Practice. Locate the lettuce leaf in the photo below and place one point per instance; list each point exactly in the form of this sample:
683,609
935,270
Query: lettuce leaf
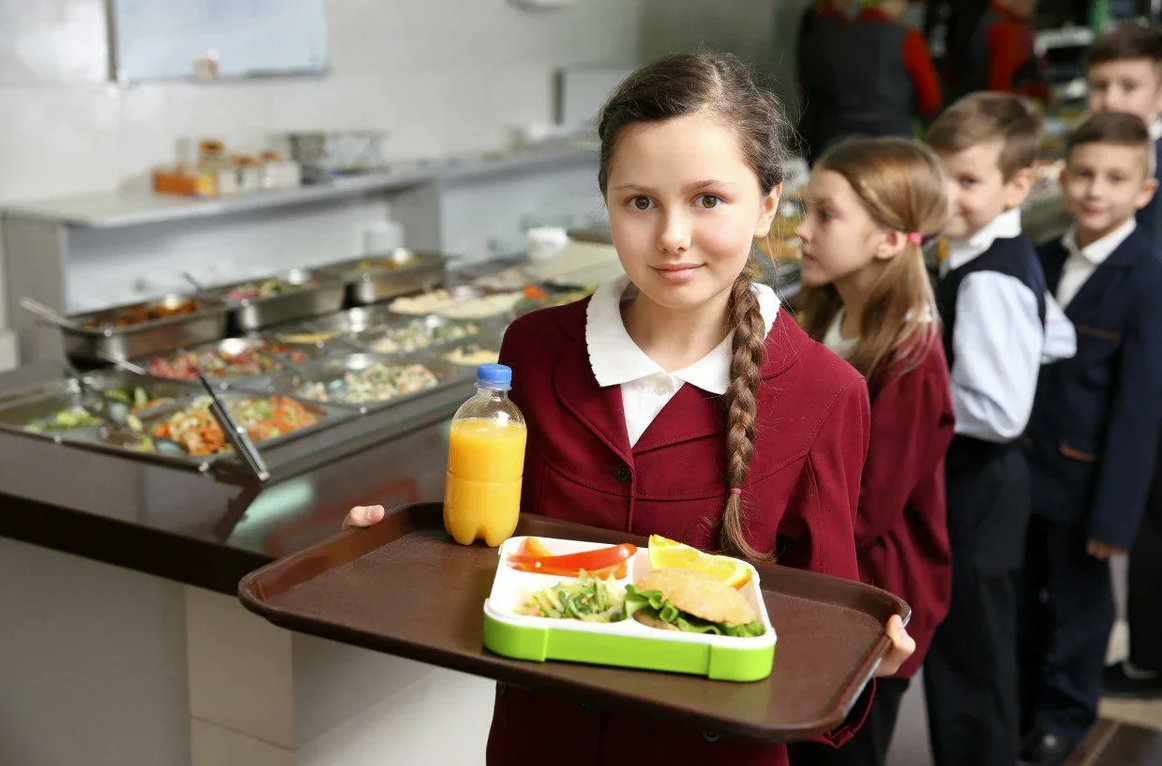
653,603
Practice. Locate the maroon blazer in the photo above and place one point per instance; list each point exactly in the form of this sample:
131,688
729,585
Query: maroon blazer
801,494
900,530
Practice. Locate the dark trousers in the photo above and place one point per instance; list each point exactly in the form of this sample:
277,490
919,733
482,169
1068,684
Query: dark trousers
970,673
869,746
1067,611
1144,597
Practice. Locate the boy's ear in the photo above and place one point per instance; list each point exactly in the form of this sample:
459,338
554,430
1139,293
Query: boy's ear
768,209
1149,188
1018,187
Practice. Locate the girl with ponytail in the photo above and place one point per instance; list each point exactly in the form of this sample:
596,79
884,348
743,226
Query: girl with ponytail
683,399
871,203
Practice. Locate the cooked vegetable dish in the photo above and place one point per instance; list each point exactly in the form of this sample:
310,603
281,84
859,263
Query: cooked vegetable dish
195,428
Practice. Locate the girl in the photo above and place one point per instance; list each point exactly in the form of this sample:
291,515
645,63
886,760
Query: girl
682,399
867,297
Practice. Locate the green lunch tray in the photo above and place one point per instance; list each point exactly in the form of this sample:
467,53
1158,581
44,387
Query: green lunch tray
628,643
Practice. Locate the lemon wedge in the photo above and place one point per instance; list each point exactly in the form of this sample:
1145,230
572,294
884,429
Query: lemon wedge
671,554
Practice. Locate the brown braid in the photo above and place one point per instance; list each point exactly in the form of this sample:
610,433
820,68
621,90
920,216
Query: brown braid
746,364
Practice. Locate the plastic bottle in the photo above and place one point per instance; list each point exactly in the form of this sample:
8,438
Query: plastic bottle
486,451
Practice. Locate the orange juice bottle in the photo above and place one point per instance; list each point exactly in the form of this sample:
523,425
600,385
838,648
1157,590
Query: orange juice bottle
486,454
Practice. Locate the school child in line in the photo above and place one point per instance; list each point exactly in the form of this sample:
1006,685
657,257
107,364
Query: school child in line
998,326
1093,436
816,92
1124,74
682,399
871,203
874,75
1000,54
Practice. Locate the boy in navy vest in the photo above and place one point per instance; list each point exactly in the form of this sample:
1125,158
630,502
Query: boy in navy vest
1125,75
999,325
1092,439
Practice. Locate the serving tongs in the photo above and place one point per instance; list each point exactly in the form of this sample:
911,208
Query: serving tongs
42,311
235,433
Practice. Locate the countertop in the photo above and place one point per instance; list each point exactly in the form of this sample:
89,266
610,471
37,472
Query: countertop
203,529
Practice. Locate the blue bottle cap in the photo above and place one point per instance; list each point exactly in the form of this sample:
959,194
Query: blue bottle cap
494,375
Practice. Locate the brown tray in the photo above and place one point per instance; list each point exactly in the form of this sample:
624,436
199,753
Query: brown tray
404,588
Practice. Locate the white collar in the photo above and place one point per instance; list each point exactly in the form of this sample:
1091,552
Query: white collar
1097,252
1156,128
1004,226
616,359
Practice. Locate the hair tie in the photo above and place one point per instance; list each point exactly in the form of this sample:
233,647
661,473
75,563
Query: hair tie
915,238
736,490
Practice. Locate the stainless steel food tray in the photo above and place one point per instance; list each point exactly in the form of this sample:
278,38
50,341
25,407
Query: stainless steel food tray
327,415
20,407
84,345
229,346
399,324
375,278
321,294
350,322
330,371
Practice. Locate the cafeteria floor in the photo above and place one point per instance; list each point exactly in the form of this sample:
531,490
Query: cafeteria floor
1129,734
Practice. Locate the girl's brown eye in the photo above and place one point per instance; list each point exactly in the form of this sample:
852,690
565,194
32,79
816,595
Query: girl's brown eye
641,203
709,201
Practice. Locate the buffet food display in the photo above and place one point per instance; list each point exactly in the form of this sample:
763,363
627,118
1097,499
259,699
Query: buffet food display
281,380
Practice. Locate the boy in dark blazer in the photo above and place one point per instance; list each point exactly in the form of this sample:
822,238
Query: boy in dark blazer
1092,438
1124,74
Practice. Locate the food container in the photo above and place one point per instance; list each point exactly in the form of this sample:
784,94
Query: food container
324,417
627,643
35,410
376,278
232,359
329,378
406,335
140,329
297,294
343,324
338,150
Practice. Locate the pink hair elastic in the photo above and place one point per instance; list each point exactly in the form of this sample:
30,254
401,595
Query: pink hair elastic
915,238
735,491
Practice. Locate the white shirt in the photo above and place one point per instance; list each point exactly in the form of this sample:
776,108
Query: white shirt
834,339
1156,129
1082,262
998,341
645,387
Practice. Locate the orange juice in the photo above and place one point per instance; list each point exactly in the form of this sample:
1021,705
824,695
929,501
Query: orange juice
486,454
482,493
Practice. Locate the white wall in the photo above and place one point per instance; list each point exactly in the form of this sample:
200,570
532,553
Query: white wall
440,75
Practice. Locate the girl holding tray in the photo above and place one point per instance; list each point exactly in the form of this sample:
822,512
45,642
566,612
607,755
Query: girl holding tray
682,399
870,205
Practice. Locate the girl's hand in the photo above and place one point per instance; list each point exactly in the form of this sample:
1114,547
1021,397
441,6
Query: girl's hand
363,516
903,647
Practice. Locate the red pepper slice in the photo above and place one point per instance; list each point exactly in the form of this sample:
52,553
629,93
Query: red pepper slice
572,564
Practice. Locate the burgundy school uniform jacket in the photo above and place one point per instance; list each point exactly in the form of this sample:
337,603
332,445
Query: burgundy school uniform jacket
801,494
900,531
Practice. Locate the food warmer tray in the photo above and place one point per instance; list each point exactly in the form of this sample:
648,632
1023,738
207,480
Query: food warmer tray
321,294
375,278
229,346
85,345
402,587
488,330
332,369
19,408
